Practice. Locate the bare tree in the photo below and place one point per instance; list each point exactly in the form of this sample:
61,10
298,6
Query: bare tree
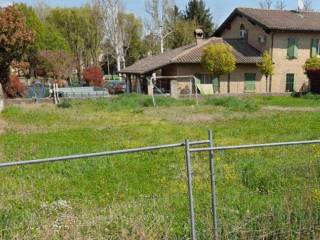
266,4
41,9
111,10
280,5
159,20
307,5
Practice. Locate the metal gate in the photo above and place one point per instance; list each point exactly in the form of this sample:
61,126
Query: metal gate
257,191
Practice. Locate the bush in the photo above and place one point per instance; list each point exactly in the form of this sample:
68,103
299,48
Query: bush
14,88
93,76
312,64
312,68
218,59
64,104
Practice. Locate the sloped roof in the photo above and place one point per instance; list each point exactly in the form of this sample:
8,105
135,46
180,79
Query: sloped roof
192,53
277,19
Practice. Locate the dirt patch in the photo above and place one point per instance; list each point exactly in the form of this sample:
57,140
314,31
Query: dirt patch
3,126
291,109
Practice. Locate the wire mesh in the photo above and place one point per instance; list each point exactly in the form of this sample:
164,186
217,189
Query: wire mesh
137,196
264,193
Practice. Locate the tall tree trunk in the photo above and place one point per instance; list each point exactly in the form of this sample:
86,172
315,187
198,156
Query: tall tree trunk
118,63
79,69
4,76
228,83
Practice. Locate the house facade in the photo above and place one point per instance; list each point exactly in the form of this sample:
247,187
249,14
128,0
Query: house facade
290,37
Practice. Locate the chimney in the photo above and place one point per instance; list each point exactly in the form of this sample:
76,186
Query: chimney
199,36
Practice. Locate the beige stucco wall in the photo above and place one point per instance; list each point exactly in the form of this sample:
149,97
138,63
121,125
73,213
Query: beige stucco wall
283,65
254,32
277,45
236,77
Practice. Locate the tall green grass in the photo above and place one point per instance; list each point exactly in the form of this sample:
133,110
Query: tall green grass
267,194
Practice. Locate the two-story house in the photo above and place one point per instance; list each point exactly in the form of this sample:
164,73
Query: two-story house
291,37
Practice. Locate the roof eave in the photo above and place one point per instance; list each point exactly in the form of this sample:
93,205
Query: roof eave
238,12
144,72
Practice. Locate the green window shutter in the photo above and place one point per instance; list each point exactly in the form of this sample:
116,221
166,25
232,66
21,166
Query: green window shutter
296,48
291,43
249,82
314,47
290,82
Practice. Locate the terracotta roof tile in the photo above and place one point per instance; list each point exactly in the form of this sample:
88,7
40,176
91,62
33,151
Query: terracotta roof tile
243,52
277,19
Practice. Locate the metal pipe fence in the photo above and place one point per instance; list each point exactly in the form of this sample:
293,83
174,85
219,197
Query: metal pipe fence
100,154
139,192
257,191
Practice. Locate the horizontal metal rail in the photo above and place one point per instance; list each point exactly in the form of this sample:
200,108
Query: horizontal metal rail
250,146
99,154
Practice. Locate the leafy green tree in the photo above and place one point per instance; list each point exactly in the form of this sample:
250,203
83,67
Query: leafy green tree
183,33
266,67
82,28
196,10
218,59
46,37
15,38
94,34
72,26
133,45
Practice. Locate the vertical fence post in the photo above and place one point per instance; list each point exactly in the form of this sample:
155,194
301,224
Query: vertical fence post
213,189
190,191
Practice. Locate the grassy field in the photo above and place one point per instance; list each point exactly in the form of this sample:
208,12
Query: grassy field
262,194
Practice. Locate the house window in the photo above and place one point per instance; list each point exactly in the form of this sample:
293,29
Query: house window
249,82
315,49
243,32
209,79
290,82
262,40
293,47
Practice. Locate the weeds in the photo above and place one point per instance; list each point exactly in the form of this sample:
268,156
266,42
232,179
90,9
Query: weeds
64,104
261,195
233,103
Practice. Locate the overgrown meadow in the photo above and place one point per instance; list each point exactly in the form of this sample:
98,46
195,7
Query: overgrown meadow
262,194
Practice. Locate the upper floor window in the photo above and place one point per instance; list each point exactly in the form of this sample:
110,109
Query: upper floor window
315,48
293,48
243,32
262,40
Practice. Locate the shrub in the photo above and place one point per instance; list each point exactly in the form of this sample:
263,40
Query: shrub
312,64
93,76
64,104
14,88
218,59
312,68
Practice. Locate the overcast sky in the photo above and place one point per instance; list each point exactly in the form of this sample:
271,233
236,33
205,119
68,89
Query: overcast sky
219,8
